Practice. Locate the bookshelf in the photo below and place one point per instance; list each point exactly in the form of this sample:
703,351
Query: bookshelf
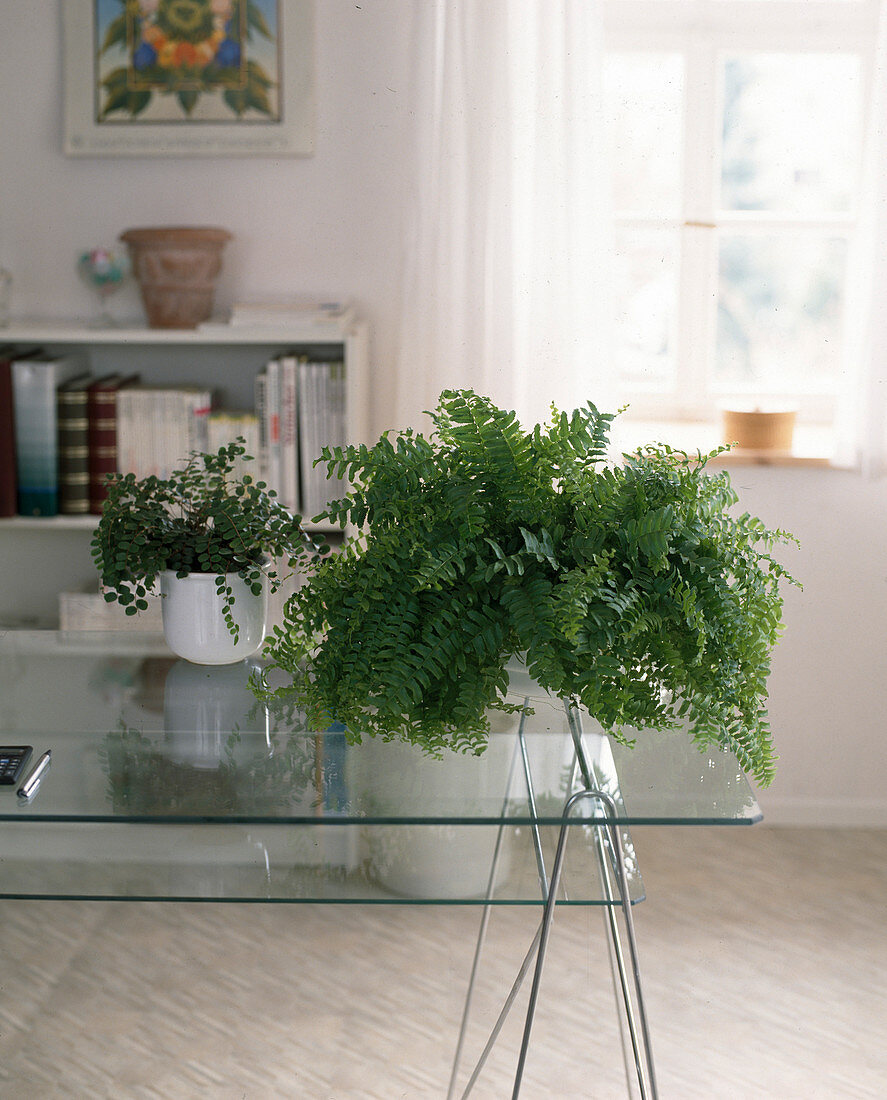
223,357
49,555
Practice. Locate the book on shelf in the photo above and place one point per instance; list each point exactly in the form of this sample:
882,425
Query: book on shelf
293,312
225,427
271,412
35,383
158,427
321,424
260,394
309,437
102,415
73,446
289,432
300,405
8,485
276,394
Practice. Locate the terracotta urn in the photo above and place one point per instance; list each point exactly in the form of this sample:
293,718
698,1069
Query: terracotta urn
176,268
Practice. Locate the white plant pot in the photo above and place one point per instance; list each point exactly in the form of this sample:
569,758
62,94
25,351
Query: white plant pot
195,627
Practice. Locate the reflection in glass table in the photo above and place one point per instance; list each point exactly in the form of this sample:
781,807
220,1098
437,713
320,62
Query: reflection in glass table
171,781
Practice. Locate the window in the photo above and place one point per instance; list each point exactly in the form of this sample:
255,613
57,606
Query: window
736,134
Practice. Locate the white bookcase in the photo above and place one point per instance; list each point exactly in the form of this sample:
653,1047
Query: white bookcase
41,557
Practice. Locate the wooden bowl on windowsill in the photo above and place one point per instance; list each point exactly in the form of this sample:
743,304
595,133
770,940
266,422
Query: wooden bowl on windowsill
758,429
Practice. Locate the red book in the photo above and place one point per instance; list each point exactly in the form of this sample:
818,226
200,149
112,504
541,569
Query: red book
102,416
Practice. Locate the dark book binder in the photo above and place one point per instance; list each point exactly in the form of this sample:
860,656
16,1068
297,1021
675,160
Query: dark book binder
8,482
101,400
73,447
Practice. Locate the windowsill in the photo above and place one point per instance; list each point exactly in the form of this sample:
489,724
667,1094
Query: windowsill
814,444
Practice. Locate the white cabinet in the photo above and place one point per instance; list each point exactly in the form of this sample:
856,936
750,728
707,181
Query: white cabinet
40,557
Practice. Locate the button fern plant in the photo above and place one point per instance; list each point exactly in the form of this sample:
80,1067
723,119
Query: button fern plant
200,519
630,589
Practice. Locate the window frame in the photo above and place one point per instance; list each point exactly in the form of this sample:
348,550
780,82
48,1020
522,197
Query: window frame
702,32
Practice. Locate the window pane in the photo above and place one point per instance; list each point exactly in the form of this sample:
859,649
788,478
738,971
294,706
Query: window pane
790,132
642,106
645,298
779,312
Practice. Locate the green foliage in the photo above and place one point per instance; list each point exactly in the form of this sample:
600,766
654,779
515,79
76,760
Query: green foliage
145,778
199,520
629,589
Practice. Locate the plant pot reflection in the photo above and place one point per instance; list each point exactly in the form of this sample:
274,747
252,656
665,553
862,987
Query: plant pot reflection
434,860
211,715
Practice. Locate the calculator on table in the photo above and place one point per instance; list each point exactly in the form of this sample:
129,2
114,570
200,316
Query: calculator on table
13,760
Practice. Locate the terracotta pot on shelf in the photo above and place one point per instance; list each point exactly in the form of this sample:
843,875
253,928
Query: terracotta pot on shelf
176,268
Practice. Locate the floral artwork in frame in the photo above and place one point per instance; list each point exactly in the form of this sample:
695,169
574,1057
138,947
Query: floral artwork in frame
188,77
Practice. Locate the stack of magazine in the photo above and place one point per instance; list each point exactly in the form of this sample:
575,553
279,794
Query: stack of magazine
300,405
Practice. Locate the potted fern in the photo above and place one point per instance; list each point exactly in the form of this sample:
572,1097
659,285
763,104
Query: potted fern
214,543
632,589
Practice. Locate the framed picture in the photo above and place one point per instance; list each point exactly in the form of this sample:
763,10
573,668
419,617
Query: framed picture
188,77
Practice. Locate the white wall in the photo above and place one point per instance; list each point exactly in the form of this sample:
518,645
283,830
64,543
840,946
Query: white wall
828,703
331,223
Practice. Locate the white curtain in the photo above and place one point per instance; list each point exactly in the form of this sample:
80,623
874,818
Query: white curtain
505,271
862,415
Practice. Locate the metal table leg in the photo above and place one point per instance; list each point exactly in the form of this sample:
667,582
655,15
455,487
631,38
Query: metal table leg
611,866
607,867
482,935
638,1030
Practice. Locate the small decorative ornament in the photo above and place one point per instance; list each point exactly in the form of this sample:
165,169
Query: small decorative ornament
104,270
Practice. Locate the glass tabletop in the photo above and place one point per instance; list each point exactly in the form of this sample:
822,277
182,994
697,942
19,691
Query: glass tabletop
173,780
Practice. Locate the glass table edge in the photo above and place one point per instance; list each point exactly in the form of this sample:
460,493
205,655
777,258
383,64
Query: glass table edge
546,821
199,899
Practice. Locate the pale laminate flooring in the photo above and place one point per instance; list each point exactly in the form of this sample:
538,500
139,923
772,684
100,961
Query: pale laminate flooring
763,951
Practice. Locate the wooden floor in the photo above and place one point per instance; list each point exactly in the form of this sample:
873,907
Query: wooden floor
763,951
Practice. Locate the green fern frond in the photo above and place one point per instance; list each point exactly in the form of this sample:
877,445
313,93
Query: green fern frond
631,588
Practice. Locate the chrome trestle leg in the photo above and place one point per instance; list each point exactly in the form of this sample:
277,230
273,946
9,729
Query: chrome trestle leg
506,1008
531,952
639,1034
616,959
481,939
607,867
611,863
